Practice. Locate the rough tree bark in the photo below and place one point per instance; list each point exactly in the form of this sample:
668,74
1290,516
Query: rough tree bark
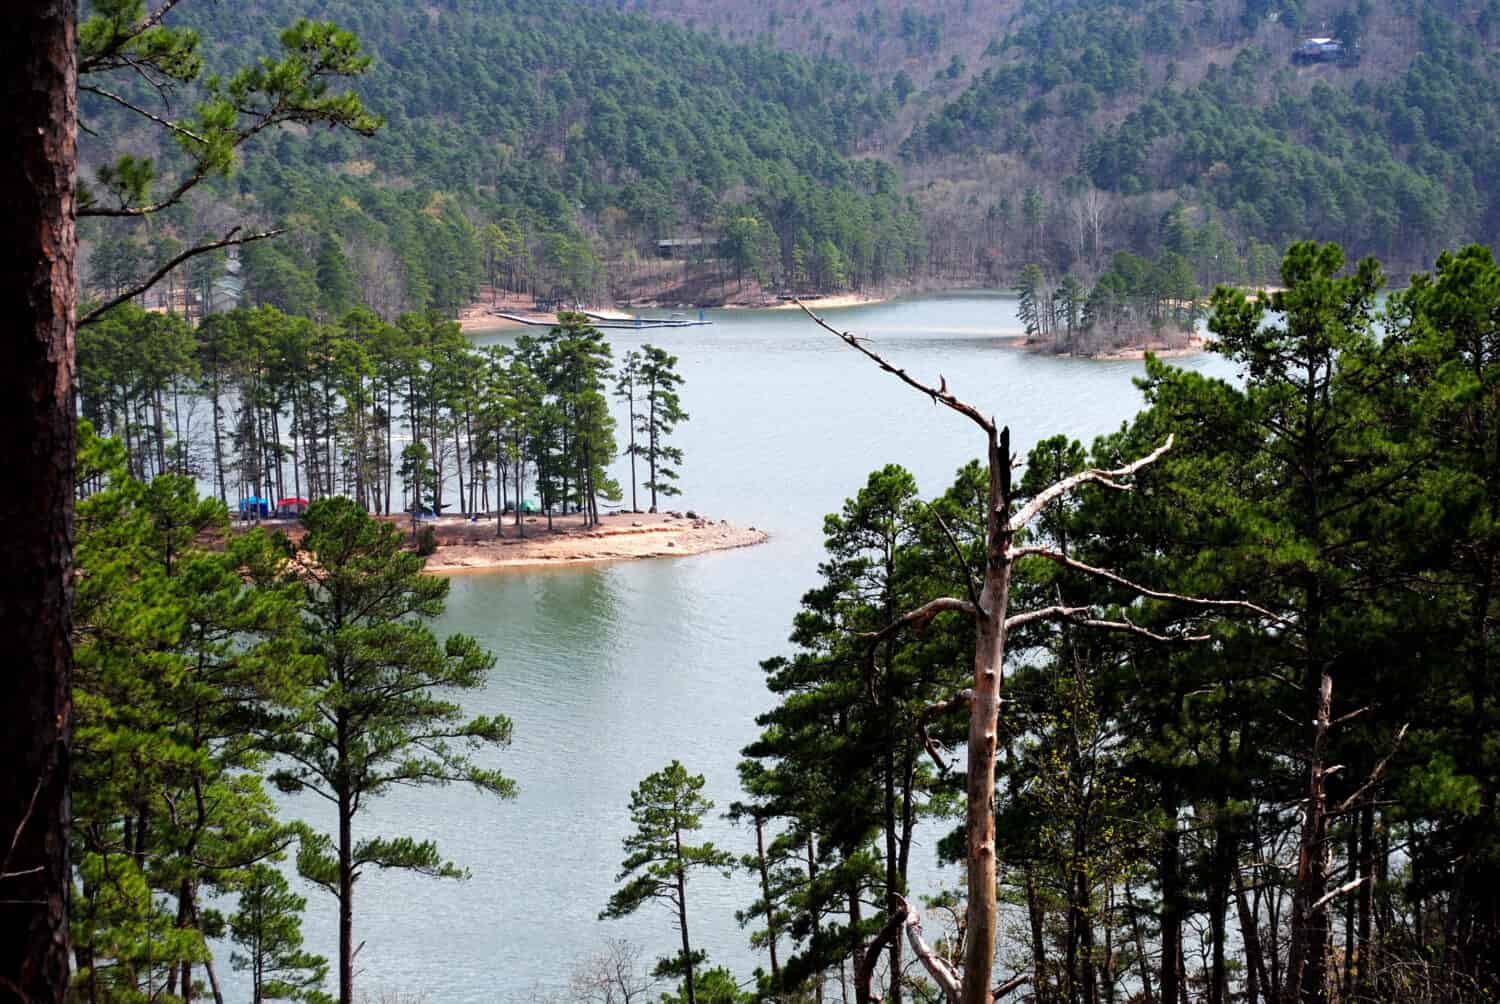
38,121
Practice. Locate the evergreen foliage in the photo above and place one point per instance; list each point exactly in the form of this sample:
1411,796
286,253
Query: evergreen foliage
1169,816
666,807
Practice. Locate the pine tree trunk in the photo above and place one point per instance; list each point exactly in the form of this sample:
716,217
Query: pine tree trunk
812,878
1255,962
1171,894
1040,986
37,175
346,900
634,506
682,920
765,894
651,444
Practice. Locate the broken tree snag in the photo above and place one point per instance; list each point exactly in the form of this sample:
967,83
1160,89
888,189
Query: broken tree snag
942,974
988,610
1307,957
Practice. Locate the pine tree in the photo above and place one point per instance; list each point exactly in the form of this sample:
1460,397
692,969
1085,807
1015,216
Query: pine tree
268,928
374,719
666,807
663,411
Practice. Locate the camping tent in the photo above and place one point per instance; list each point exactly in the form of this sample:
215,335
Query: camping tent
255,508
291,507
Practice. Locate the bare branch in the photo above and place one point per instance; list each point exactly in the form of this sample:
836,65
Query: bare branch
1341,719
942,974
1130,627
1093,475
1375,774
1347,887
939,394
1044,613
1076,615
1010,986
922,616
934,748
164,123
1058,558
230,240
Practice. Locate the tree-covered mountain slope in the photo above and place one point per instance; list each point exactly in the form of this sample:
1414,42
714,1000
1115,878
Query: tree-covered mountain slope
668,149
925,51
554,145
1390,149
1066,124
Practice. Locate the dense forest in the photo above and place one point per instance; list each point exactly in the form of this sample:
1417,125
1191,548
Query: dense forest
548,150
1387,150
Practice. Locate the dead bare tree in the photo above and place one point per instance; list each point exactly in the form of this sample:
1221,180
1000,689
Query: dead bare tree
992,620
614,976
1307,965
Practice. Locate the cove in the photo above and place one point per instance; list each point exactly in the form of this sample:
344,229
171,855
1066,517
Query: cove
611,671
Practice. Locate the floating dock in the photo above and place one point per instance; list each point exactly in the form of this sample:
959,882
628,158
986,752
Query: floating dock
604,322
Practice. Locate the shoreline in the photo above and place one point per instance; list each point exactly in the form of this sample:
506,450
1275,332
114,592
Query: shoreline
1128,353
464,546
837,302
479,320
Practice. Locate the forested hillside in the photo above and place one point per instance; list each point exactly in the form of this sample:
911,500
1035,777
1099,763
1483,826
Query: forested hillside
1060,132
1140,107
550,147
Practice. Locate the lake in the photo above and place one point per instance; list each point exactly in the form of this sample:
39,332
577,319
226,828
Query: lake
609,672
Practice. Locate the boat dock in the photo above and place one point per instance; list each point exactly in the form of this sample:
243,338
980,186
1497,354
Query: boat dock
604,321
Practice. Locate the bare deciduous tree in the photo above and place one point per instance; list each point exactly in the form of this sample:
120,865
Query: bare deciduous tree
614,976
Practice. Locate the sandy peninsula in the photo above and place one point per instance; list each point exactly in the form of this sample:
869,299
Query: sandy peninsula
470,547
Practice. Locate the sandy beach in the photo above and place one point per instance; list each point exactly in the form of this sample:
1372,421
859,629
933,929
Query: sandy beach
486,322
471,547
1195,344
1192,348
830,302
